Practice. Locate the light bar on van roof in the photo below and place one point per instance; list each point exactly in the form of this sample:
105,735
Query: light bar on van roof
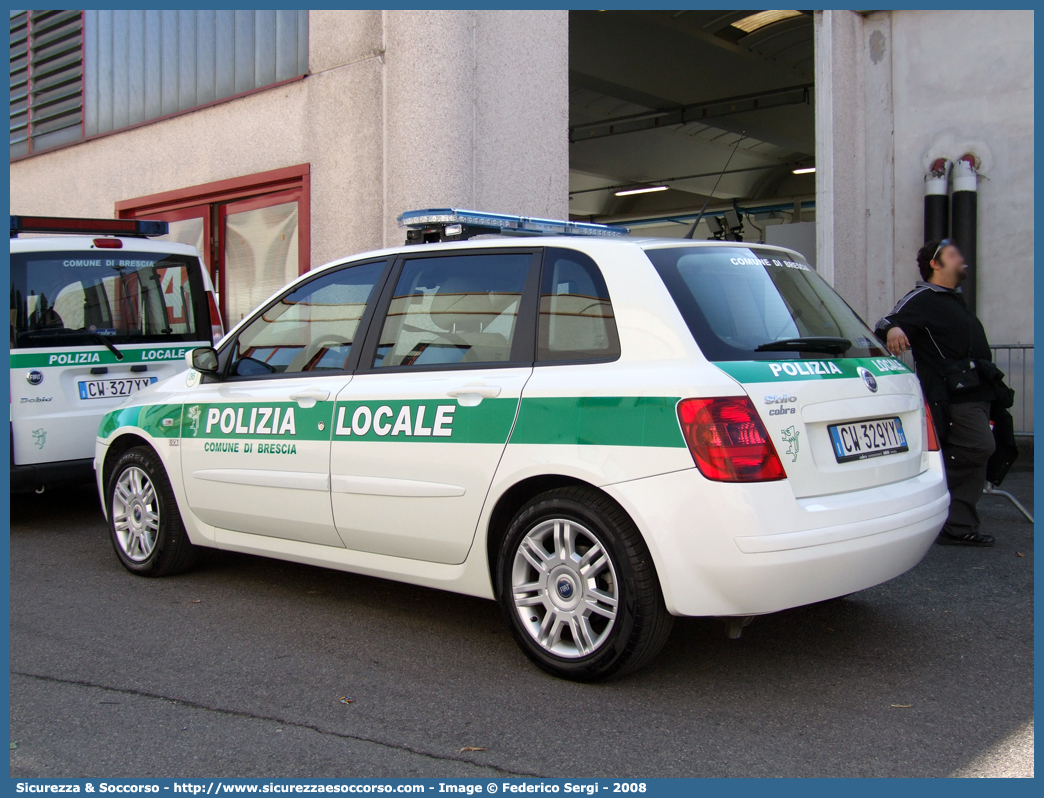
133,228
454,224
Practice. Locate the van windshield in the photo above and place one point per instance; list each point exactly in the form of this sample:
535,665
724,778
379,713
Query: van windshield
72,298
746,303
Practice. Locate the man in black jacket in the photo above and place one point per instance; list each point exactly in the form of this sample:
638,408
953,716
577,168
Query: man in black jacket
947,340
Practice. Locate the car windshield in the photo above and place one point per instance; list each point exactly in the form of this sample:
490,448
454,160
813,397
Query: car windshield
80,298
746,303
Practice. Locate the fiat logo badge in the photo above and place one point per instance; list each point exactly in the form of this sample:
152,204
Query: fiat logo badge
868,378
34,377
565,588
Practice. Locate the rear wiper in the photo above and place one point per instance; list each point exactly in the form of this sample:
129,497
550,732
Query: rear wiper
831,345
101,339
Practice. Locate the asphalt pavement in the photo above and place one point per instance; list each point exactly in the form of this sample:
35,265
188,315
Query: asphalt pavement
254,667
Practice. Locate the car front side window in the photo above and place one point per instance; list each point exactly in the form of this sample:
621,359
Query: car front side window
310,330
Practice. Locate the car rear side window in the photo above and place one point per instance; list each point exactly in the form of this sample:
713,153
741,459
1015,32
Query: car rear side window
448,310
576,315
736,300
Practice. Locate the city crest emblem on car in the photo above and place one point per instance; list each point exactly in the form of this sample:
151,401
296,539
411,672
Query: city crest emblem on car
193,414
790,437
868,378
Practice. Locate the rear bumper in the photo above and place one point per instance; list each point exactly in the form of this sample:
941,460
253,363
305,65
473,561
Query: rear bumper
25,478
749,549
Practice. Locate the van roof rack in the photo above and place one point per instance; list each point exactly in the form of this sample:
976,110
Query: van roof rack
132,228
454,224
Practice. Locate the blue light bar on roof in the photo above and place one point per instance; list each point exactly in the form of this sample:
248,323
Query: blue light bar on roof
134,228
502,223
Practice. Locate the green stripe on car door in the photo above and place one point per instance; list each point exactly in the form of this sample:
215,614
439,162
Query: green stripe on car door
425,420
574,420
599,421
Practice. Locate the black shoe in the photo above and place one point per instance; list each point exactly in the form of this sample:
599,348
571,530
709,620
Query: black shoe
971,539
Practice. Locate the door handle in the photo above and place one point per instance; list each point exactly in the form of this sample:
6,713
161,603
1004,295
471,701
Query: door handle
471,395
307,399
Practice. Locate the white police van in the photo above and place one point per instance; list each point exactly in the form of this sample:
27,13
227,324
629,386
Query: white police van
600,432
98,312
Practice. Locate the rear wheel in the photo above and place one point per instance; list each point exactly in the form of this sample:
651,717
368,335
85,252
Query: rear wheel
144,523
578,586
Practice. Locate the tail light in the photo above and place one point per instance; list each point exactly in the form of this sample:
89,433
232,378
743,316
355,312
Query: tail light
108,243
727,440
217,329
932,444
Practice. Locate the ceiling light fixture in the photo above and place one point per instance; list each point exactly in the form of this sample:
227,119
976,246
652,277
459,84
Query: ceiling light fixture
805,170
763,19
645,190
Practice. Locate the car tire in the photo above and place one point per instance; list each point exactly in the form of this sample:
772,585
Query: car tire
145,525
568,555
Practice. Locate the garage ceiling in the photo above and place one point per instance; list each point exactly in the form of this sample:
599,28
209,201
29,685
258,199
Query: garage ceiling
663,98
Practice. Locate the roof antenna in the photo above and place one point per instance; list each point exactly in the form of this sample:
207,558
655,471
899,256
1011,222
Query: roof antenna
692,230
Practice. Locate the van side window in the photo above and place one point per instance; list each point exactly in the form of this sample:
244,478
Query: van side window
576,315
311,329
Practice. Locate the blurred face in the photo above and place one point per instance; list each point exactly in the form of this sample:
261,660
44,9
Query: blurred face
949,266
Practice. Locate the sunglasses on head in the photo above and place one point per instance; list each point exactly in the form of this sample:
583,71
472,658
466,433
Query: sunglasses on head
946,242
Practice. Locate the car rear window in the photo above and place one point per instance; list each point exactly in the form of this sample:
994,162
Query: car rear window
127,297
735,299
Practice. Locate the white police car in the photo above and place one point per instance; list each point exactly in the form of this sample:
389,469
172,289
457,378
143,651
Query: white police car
98,312
600,432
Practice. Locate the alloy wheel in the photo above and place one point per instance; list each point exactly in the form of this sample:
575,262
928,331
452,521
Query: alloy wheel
565,588
135,514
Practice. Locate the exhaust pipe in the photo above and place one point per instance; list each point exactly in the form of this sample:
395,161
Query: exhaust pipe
936,201
964,212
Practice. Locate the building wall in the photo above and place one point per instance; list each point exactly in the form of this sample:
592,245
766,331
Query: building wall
964,81
402,109
895,90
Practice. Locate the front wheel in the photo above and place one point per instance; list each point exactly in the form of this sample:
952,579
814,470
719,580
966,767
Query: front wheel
577,584
144,523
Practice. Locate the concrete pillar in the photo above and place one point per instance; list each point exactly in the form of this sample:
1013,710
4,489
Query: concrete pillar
855,158
476,112
840,176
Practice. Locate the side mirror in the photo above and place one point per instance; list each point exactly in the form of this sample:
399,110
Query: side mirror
203,359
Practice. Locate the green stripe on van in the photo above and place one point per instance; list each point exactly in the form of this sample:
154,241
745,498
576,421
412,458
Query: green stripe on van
82,356
826,369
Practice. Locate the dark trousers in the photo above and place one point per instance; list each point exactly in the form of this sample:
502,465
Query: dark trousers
968,446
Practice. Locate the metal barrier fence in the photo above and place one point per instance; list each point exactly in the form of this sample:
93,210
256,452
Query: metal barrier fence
1016,361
